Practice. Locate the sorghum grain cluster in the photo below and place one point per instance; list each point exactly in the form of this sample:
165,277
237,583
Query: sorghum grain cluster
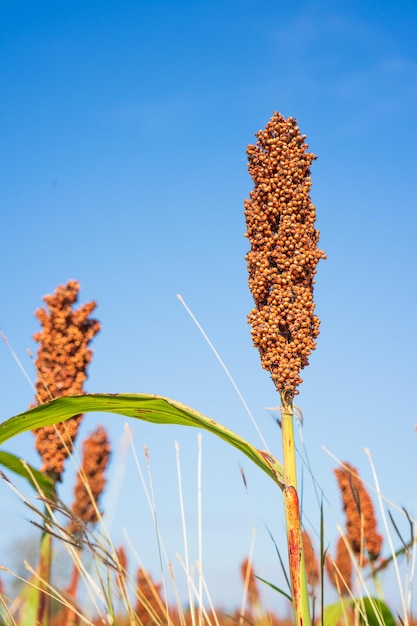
361,525
312,565
282,261
62,360
91,478
339,570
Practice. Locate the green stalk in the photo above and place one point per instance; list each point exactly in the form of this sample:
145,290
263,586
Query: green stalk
45,563
293,521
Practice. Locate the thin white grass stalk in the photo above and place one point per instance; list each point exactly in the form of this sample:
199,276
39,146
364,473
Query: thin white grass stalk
133,588
340,578
54,593
40,377
155,520
3,603
200,526
74,552
305,459
89,582
223,365
186,569
389,538
152,507
135,554
246,582
412,573
210,602
121,584
19,364
139,469
176,594
116,482
184,531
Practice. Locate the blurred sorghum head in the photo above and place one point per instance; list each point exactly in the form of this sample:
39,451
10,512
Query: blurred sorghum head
91,478
311,562
150,608
339,570
361,526
62,359
282,261
249,579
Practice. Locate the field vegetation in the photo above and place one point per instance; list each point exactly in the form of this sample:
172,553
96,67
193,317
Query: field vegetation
282,263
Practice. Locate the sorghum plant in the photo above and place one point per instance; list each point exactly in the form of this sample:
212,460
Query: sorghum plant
62,360
150,607
280,219
91,478
339,569
312,565
283,257
88,489
361,525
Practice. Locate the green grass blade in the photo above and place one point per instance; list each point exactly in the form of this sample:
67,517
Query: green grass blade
37,480
150,408
275,588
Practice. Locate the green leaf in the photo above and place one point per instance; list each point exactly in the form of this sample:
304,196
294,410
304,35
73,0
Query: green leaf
335,613
275,588
36,479
150,408
377,613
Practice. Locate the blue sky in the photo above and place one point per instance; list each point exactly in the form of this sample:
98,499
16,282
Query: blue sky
124,128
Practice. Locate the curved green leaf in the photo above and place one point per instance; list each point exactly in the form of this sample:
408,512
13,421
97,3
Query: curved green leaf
39,481
377,613
334,614
275,588
150,408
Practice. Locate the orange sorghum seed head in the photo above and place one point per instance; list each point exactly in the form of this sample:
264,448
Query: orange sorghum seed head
122,558
361,527
248,577
339,571
91,478
312,566
283,257
149,605
62,360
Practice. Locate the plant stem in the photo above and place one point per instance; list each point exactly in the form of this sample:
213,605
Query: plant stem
293,522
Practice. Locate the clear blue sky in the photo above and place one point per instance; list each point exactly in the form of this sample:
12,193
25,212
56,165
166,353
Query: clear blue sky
123,132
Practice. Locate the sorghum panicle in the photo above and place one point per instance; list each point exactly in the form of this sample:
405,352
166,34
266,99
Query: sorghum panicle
282,261
91,478
149,605
361,526
339,571
62,360
248,577
312,566
122,558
